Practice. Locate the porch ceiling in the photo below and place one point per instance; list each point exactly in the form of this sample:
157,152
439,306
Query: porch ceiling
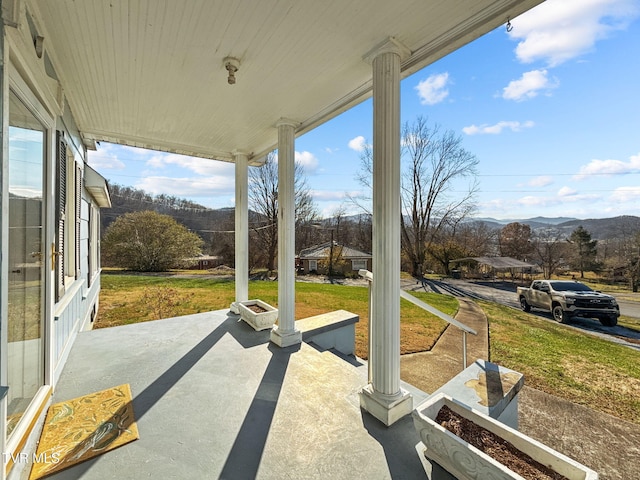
150,73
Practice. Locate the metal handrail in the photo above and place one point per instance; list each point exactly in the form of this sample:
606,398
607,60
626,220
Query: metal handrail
367,275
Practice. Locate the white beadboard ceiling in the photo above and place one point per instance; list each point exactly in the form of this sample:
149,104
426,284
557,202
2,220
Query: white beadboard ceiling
150,73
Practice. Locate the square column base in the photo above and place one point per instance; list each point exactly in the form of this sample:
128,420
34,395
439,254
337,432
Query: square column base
234,308
285,339
385,410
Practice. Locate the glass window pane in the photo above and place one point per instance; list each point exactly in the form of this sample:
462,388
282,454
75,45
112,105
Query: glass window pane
25,357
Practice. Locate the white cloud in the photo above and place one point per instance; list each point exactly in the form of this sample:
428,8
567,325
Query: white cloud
559,30
333,195
541,181
193,187
529,85
567,192
308,161
626,194
103,159
201,166
564,196
533,201
497,128
358,143
433,89
609,167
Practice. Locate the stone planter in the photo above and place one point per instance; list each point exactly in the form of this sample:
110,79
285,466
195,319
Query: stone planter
466,462
258,320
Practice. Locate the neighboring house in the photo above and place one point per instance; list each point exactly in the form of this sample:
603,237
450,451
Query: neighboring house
486,267
344,259
203,262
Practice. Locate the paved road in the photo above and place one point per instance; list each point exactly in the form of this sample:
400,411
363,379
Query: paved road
630,309
504,293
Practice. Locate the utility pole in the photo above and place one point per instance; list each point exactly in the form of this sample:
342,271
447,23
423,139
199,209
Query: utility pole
331,256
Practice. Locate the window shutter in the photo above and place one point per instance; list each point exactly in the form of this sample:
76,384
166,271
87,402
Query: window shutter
61,204
78,220
90,241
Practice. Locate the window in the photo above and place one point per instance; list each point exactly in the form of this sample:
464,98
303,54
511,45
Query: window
24,345
359,264
313,265
94,257
68,206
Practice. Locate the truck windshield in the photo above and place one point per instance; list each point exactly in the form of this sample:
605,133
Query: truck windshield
570,287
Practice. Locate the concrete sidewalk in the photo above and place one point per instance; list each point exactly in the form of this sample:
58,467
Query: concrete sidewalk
430,370
602,442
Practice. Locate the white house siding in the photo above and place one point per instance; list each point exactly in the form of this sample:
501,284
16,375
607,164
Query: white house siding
32,81
75,310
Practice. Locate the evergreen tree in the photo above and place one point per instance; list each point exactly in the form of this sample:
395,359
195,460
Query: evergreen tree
585,251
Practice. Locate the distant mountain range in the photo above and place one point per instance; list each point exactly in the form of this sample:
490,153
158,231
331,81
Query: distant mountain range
530,221
599,228
207,221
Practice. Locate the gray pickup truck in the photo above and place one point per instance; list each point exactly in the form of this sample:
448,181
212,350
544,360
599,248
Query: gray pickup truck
566,299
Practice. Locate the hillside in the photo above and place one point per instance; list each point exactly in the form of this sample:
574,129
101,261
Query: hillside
207,222
600,228
195,217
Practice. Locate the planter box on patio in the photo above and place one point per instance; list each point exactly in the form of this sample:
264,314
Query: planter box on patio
259,320
466,462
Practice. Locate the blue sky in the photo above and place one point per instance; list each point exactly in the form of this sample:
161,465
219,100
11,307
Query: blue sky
551,110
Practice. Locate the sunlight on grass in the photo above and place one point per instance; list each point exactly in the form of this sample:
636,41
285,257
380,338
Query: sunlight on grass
561,361
125,299
629,322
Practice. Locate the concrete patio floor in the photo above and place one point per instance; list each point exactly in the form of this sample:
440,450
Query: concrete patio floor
214,399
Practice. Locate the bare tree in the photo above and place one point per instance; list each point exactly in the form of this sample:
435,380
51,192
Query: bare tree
478,239
515,241
550,248
433,161
263,199
445,247
633,269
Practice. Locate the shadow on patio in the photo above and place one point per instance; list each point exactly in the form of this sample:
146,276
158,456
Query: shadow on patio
214,399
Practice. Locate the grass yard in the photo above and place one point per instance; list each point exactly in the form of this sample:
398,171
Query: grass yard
555,359
569,364
128,299
629,322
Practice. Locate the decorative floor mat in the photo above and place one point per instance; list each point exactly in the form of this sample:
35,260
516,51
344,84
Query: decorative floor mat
84,427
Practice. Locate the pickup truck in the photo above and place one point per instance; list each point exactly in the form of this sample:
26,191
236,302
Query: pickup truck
566,299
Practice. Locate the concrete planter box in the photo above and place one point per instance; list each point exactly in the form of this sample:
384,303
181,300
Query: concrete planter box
466,462
259,321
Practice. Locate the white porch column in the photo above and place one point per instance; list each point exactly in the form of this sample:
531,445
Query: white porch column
241,229
285,333
383,397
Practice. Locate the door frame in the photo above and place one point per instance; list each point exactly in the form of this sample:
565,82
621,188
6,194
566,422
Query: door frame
13,81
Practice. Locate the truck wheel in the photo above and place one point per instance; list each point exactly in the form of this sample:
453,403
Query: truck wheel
524,305
560,315
611,321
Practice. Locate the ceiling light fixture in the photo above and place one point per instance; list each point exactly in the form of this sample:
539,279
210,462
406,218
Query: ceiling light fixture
231,64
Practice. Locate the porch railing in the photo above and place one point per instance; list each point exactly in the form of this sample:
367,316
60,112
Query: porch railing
367,275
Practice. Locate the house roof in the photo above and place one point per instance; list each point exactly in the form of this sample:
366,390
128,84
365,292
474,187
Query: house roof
322,251
496,262
96,185
151,73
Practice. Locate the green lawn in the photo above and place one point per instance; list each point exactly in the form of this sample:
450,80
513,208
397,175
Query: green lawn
629,322
128,299
554,358
559,360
